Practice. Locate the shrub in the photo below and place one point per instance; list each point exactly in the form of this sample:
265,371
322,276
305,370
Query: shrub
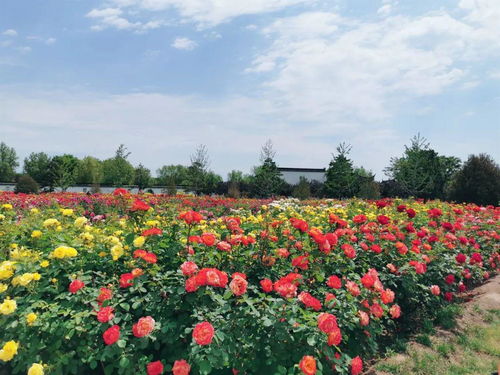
26,184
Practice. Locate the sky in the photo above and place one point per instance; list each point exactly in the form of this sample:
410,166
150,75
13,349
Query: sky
163,76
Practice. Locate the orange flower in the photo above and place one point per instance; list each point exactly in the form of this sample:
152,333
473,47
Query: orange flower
308,365
203,333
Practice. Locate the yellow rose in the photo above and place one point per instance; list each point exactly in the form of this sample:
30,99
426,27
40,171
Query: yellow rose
8,306
80,221
7,206
67,212
37,276
31,318
36,234
35,369
50,223
3,287
44,263
139,241
8,351
117,251
34,210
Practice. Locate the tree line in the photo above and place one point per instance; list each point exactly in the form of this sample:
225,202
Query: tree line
420,173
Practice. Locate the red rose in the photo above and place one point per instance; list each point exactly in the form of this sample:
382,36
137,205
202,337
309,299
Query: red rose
376,310
327,322
334,282
353,288
334,337
191,217
152,232
267,285
111,335
155,368
356,366
139,253
382,219
448,296
411,213
238,286
450,279
104,295
191,284
368,280
308,365
75,286
105,314
395,311
143,327
139,205
203,333
126,280
150,258
435,290
120,191
189,268
301,262
208,239
181,367
359,219
364,318
387,296
308,300
349,251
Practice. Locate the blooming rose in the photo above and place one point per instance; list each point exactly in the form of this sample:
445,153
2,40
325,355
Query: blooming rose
334,337
139,205
105,314
364,318
327,322
126,280
334,282
189,268
395,311
181,367
368,280
104,295
208,239
308,300
356,366
203,333
111,335
143,327
308,365
353,288
435,290
387,296
238,286
75,286
155,368
267,285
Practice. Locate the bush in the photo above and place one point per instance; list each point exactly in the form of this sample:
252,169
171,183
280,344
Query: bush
478,181
26,184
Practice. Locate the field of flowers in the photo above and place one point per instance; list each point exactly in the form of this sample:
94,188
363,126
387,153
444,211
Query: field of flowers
126,284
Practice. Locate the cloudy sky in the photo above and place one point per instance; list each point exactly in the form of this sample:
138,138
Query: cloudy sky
162,76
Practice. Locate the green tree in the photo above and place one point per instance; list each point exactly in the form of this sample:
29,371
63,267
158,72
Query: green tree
341,179
26,184
198,169
421,172
37,166
478,181
62,171
117,170
8,163
366,186
303,189
172,175
89,171
267,180
142,177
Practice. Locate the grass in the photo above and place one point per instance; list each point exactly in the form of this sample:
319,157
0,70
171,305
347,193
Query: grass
475,350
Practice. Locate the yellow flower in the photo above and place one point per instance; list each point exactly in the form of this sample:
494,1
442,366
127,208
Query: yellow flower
67,212
3,287
36,234
44,263
54,280
139,241
37,276
102,254
6,269
7,206
51,223
80,221
64,252
2,217
34,210
117,251
35,369
8,351
30,318
8,306
22,280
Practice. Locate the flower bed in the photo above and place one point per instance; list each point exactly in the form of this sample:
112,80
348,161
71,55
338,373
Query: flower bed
156,284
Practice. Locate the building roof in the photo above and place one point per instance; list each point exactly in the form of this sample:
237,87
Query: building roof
318,170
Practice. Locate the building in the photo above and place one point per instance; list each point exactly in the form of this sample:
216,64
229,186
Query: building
292,175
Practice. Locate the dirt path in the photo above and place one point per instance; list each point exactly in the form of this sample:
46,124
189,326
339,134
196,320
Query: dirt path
471,347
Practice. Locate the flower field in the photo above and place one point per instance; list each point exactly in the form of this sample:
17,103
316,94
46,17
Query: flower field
151,284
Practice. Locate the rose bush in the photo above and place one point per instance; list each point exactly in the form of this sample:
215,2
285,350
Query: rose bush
127,284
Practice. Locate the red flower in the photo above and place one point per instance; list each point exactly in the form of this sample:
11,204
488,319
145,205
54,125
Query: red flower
434,212
353,288
238,286
359,219
334,282
411,213
376,310
191,217
126,280
203,333
224,246
104,295
301,262
308,300
299,224
349,251
267,285
152,232
327,322
139,205
155,368
75,286
368,280
150,258
461,258
448,296
356,366
382,219
189,268
111,335
143,327
105,314
450,279
308,365
208,239
395,311
120,191
387,296
364,318
285,288
334,337
139,253
181,367
435,290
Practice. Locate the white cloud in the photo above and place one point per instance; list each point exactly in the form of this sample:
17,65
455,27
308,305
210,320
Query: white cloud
112,17
50,41
24,49
10,32
184,44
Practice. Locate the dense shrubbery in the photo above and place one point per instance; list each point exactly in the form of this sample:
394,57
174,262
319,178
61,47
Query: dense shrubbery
132,285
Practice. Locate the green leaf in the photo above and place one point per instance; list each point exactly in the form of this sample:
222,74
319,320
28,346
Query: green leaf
121,343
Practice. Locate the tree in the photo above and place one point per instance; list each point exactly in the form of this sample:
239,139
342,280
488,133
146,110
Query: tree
37,166
142,177
8,163
172,175
366,187
421,172
25,184
62,171
478,181
198,169
302,190
340,176
89,171
267,180
117,170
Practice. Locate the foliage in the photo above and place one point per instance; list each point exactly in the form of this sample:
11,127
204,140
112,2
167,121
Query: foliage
266,180
25,184
172,175
142,177
117,170
89,171
341,179
303,189
62,171
421,172
37,165
477,181
8,163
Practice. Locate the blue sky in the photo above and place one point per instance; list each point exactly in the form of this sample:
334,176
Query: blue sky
162,76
